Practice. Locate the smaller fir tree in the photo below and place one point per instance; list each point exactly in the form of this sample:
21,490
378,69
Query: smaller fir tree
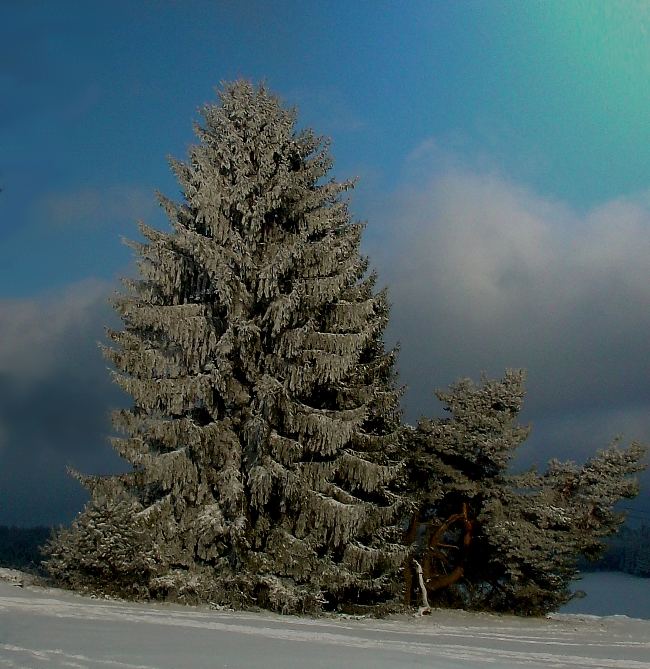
490,539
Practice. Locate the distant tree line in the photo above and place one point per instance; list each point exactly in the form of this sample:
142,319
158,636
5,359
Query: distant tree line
628,551
20,547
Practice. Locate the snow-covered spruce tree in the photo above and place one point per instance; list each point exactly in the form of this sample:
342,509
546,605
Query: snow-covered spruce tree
264,433
490,539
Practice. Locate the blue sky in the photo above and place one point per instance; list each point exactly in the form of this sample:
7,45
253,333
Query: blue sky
502,150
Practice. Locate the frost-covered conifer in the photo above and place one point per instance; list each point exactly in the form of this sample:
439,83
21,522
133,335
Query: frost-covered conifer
263,434
490,539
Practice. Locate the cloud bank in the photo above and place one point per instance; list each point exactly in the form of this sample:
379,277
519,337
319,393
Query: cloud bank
485,274
56,394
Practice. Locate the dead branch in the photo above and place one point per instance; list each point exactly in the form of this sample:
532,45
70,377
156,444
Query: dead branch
425,609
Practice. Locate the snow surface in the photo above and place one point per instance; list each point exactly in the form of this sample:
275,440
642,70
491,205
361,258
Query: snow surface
41,627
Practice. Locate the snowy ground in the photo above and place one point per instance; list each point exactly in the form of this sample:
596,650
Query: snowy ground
47,628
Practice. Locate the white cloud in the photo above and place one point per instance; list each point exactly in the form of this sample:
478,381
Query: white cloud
484,274
37,335
56,394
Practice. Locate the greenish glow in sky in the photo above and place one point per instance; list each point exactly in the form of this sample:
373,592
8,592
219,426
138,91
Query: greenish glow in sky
593,71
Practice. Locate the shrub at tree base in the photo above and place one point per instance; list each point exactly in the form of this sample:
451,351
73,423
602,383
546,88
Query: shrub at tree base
108,548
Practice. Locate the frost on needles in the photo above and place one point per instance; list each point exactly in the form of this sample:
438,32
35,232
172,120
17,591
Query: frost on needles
264,431
269,465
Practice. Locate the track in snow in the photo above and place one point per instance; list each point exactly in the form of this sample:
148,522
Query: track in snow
52,628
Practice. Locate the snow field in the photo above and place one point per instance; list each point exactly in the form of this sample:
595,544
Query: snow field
51,628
